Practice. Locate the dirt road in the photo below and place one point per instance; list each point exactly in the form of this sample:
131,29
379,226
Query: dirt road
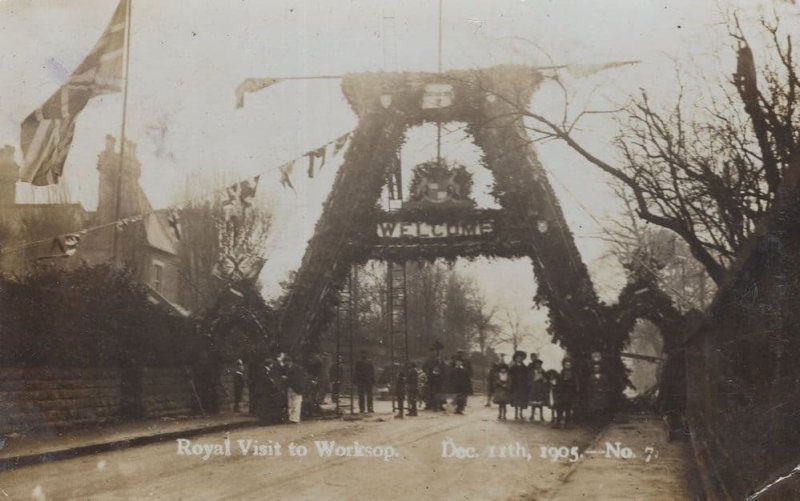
505,463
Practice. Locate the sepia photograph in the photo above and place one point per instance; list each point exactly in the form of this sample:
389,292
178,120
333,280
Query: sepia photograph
400,250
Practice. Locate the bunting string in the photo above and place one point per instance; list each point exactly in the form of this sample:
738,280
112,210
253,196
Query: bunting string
237,196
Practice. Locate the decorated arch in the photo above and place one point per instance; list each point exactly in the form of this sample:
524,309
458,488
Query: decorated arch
529,223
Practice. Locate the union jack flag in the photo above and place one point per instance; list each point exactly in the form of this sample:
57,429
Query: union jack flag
46,135
236,267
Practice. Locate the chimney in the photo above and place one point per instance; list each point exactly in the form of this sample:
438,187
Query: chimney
108,164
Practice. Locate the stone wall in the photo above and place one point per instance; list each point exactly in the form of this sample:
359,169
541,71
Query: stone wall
36,398
167,391
41,399
225,391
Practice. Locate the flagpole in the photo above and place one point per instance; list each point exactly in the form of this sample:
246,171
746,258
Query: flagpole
118,187
439,68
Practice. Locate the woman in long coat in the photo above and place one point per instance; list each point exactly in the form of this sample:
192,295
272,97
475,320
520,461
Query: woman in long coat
269,405
519,384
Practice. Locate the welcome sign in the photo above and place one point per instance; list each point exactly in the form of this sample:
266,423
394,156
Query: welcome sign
426,230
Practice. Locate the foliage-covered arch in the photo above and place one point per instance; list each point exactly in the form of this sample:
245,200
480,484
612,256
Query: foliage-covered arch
387,105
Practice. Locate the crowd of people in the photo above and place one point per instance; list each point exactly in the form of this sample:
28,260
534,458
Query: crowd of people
522,385
282,390
430,385
440,379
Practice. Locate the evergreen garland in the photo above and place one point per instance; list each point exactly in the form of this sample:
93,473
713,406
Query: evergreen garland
531,222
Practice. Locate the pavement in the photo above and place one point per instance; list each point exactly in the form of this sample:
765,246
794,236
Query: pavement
42,447
434,456
654,469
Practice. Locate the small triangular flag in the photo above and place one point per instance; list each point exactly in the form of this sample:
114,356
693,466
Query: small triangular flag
314,154
253,85
174,221
339,143
67,244
320,153
286,175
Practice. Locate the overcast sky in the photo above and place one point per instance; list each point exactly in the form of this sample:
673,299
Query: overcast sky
188,56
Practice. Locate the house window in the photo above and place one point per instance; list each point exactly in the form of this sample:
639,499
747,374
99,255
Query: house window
158,275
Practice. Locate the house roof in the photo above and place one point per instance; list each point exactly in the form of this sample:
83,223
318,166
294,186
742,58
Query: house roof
159,235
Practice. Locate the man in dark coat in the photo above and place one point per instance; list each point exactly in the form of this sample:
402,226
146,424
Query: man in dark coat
364,376
460,356
461,385
434,368
400,391
269,406
672,395
412,383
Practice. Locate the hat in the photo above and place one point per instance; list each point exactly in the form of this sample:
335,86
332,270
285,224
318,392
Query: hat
519,354
537,362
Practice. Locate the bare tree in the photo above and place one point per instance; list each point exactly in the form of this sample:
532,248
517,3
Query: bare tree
711,176
486,329
205,235
644,249
442,305
514,332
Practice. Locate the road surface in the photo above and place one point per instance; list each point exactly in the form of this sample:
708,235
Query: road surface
191,469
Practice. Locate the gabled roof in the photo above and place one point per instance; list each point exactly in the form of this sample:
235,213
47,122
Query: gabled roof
159,235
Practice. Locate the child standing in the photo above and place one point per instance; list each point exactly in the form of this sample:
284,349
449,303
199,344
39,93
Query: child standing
540,390
501,385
